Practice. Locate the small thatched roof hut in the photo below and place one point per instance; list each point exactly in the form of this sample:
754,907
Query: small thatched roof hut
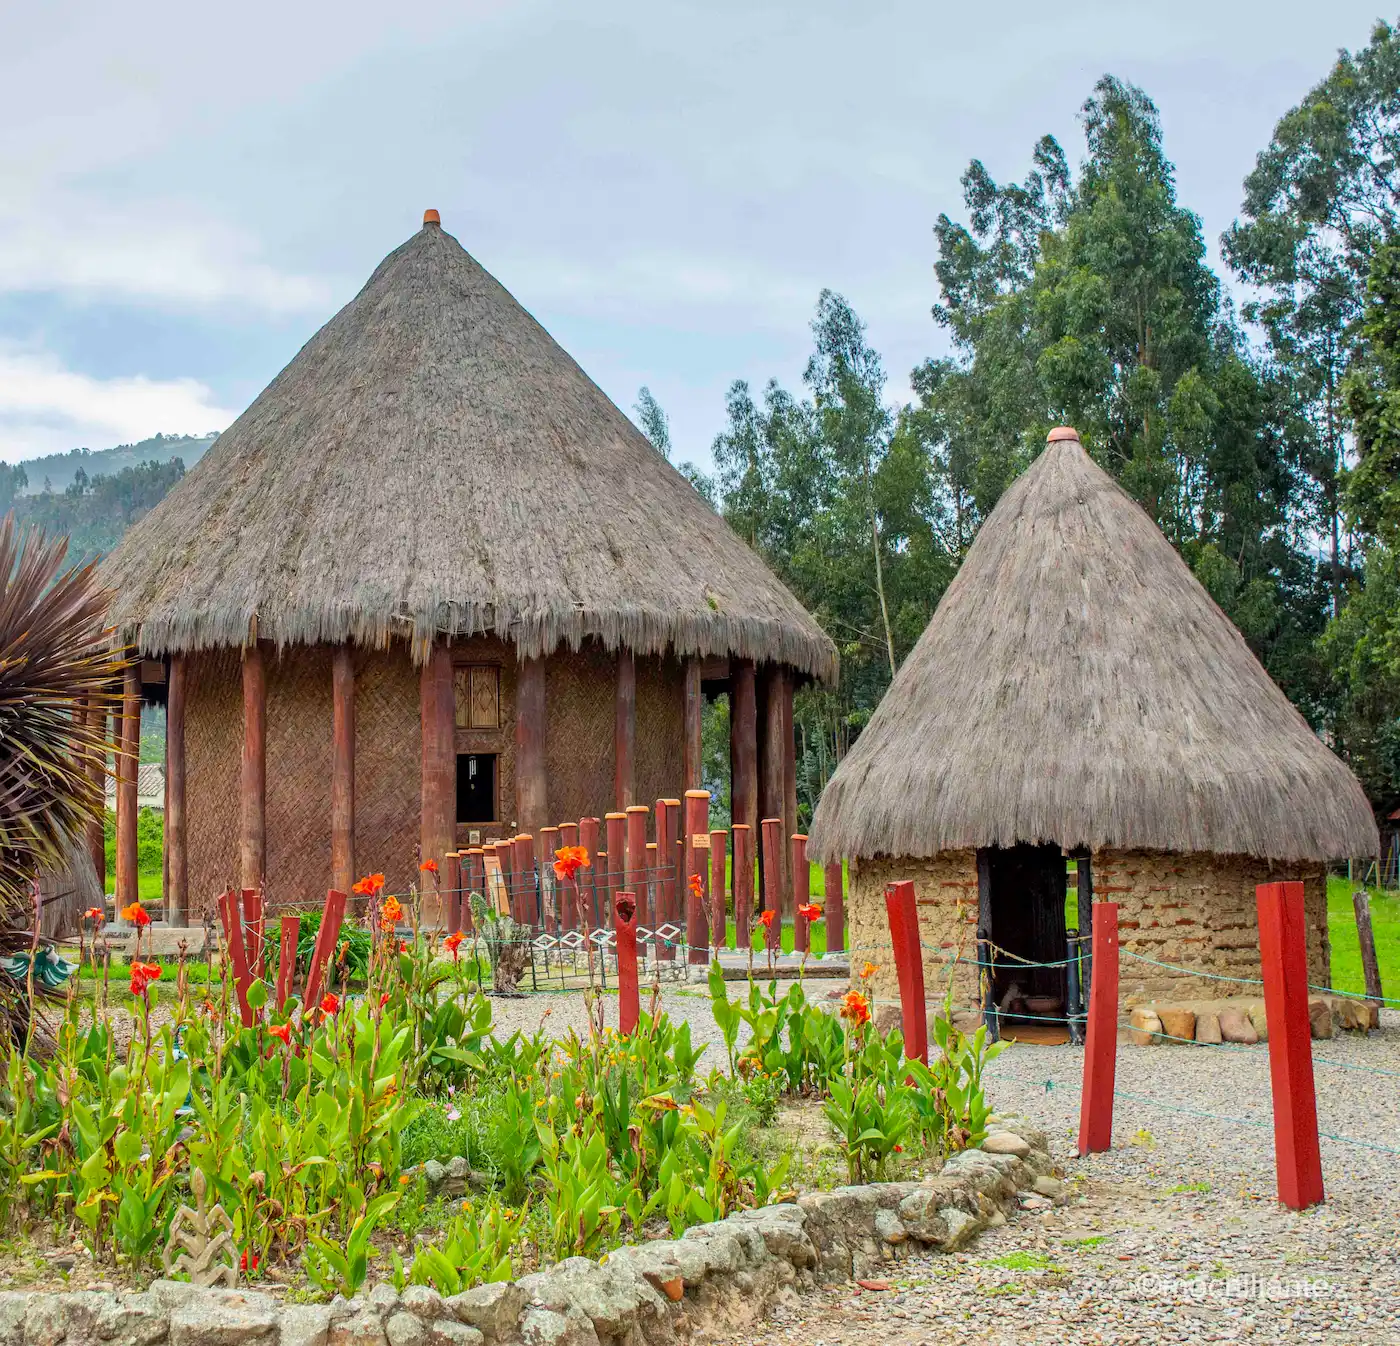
434,484
1078,691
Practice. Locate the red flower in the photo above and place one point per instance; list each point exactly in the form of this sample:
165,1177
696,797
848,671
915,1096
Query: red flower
283,1031
428,867
248,1262
329,1003
369,886
93,914
136,914
899,1149
142,975
568,860
384,1000
697,887
809,911
452,943
766,919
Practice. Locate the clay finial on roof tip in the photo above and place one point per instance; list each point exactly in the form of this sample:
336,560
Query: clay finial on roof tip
1062,432
431,217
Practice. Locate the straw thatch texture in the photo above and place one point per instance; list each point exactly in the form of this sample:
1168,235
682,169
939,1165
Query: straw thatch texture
1078,686
432,461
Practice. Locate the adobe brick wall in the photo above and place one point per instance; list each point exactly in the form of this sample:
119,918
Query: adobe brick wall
1196,911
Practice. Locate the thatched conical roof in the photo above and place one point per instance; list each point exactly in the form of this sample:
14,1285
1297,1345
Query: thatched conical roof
1078,686
433,462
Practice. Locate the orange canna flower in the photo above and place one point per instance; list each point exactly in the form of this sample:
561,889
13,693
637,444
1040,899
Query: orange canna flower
868,971
697,886
142,975
809,911
452,943
93,914
136,914
390,913
330,1003
369,886
568,860
765,919
429,866
856,1008
283,1031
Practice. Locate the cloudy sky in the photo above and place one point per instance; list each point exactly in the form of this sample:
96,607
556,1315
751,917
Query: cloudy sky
187,192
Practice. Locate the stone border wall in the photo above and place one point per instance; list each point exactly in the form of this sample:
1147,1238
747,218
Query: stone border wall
713,1280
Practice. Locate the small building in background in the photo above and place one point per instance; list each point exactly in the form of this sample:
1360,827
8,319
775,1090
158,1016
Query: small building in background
1078,694
430,589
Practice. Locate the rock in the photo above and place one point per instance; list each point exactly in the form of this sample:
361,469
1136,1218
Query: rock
362,1327
545,1327
1208,1028
385,1298
608,1296
1319,1017
13,1305
1352,1015
1259,1017
1046,1186
424,1302
890,1228
1178,1023
492,1309
403,1329
434,1173
457,1167
1006,1142
1033,1201
1144,1027
449,1332
304,1325
1236,1026
962,1228
784,1232
1019,1126
131,1320
224,1318
888,1019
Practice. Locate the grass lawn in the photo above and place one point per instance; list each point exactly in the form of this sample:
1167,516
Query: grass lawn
1346,951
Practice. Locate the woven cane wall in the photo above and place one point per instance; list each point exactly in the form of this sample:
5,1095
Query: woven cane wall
660,730
298,777
388,767
580,705
213,752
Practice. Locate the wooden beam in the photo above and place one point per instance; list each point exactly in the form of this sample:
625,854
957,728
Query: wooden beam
97,772
692,754
252,846
785,689
625,731
743,747
127,756
439,762
177,897
772,789
531,785
343,769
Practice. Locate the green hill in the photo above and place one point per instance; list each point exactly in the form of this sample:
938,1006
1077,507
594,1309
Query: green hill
56,472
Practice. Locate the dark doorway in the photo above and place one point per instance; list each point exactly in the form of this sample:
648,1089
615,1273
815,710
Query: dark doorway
1024,908
476,787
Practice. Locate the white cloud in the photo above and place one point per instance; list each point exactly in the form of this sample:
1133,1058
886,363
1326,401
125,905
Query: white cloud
46,408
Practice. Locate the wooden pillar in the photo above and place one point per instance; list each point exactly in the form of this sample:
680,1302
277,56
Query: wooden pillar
177,897
772,885
835,910
97,773
741,881
127,756
636,876
615,838
695,843
743,748
789,784
625,731
252,849
692,755
719,842
531,789
592,879
343,769
666,863
801,894
437,719
568,891
526,878
772,798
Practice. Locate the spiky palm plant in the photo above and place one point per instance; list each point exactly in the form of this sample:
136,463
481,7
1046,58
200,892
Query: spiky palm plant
55,663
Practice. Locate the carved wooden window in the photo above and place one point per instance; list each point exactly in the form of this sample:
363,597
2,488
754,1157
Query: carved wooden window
478,696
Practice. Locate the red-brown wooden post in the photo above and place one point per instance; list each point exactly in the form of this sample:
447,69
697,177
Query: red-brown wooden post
437,714
473,881
743,747
772,793
252,851
287,960
1284,954
835,910
635,880
629,1009
653,906
692,756
569,889
789,793
505,857
232,918
624,731
523,864
742,884
903,913
772,880
324,949
801,893
97,773
177,898
342,769
551,888
1101,1036
719,845
451,877
590,880
531,779
695,843
128,755
667,863
615,829
253,942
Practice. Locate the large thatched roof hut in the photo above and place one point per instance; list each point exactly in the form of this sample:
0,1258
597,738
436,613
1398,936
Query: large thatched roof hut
1078,693
434,535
